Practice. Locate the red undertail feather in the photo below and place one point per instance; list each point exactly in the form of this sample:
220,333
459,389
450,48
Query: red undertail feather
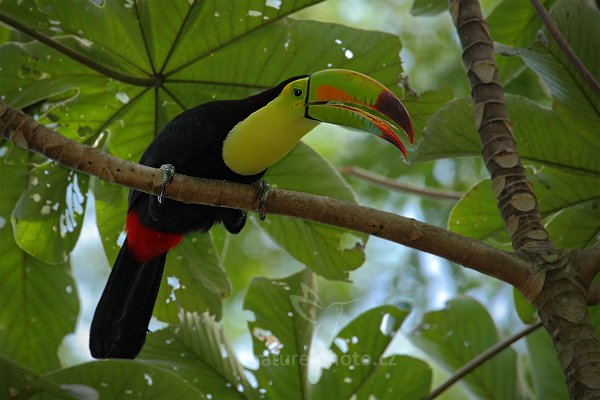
145,243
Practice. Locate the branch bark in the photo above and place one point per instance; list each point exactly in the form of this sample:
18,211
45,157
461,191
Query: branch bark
28,134
562,286
516,201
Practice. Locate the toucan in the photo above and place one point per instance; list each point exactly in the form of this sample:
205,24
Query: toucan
234,140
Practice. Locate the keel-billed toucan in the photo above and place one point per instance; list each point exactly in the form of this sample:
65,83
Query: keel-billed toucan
234,140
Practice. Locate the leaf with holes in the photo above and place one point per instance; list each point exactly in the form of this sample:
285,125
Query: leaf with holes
198,351
194,280
362,370
39,301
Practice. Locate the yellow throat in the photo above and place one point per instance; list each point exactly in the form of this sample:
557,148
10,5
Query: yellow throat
269,133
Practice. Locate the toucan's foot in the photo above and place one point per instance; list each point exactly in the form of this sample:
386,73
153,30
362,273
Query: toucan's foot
168,173
262,194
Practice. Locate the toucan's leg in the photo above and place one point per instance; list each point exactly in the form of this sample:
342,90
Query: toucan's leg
168,173
263,194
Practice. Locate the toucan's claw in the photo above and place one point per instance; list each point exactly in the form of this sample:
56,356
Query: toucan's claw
262,194
168,173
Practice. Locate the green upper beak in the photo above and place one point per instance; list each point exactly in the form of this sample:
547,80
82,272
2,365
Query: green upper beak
354,100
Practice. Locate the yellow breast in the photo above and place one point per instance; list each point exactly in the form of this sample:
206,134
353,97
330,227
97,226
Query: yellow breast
264,138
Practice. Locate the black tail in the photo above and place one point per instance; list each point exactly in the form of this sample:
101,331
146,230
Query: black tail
123,313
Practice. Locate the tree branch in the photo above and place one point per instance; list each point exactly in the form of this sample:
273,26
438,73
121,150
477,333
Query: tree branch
392,184
564,46
557,291
28,134
482,358
587,262
516,201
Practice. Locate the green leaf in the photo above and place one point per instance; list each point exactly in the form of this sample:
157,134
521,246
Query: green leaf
578,22
540,134
21,383
113,37
48,216
118,379
198,351
514,23
282,331
224,23
527,313
39,301
460,332
361,370
39,307
568,177
111,209
329,251
577,226
422,107
428,8
557,190
194,280
279,51
124,110
476,214
548,378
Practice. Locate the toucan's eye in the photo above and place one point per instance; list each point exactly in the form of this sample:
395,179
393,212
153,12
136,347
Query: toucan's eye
297,92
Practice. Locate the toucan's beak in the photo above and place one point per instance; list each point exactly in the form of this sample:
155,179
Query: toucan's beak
352,99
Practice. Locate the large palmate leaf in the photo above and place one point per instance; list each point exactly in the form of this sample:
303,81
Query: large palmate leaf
38,302
461,331
123,84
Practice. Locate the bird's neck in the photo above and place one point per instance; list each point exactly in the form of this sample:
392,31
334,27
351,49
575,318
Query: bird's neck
264,138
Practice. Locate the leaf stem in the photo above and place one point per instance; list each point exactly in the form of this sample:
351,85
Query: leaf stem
482,358
392,184
564,46
67,51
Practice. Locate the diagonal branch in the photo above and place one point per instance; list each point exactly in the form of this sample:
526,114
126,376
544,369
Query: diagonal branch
28,134
379,180
561,299
482,358
564,46
516,201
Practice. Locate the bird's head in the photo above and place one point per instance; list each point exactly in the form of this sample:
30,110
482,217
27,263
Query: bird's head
336,96
351,99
